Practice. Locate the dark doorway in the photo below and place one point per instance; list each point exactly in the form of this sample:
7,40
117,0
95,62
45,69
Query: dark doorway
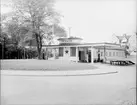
98,53
79,55
98,57
89,56
82,56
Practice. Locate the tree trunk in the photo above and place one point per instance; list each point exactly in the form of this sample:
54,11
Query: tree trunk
39,46
39,53
38,40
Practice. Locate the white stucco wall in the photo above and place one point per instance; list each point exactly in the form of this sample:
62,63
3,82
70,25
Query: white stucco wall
120,55
66,56
73,58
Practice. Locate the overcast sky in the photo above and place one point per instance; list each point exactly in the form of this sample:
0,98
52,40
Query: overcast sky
97,20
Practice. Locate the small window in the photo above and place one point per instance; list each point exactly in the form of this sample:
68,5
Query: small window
73,51
109,53
116,53
101,53
61,51
119,53
122,53
113,53
97,52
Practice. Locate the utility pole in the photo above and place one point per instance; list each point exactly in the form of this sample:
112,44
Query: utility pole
69,32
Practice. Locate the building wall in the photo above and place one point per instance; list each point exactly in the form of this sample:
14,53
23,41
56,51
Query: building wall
110,54
73,58
67,56
95,53
115,54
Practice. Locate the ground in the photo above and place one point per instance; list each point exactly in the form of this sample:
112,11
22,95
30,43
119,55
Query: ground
44,88
48,65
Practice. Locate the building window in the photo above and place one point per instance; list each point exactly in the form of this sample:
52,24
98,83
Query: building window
119,54
116,53
109,53
113,53
122,53
101,53
61,51
72,51
97,52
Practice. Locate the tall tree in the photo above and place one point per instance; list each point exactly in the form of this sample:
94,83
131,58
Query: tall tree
39,14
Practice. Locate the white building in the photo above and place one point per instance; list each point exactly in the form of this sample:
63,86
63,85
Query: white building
74,50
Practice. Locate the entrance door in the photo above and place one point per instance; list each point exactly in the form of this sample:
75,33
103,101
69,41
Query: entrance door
82,56
79,55
98,54
89,56
98,57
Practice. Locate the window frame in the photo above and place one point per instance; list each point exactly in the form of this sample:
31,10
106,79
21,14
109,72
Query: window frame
106,53
113,53
116,53
110,54
61,54
71,51
101,54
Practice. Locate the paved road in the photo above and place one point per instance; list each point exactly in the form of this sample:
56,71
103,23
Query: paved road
91,89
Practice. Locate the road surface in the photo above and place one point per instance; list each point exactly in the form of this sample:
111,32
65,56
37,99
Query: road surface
66,90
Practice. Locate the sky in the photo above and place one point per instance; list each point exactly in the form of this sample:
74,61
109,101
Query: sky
96,20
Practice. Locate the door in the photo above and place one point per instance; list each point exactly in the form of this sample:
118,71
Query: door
79,55
98,60
89,56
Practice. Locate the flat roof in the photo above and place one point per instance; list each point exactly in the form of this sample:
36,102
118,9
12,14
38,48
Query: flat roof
85,45
70,44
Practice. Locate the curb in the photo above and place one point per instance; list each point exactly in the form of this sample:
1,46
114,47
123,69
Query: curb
54,73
